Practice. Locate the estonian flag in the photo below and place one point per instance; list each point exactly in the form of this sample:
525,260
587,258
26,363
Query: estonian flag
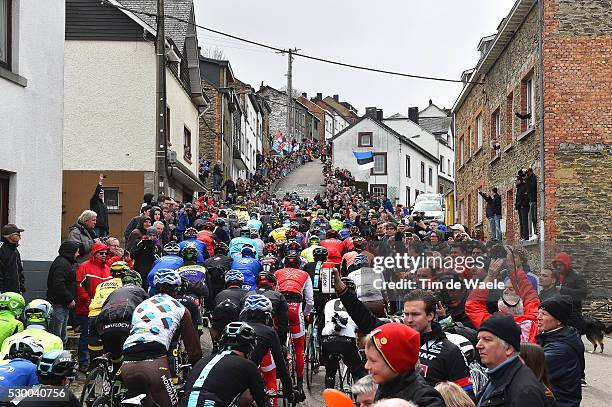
365,160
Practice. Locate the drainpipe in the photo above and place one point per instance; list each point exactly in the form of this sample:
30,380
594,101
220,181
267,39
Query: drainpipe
455,168
542,170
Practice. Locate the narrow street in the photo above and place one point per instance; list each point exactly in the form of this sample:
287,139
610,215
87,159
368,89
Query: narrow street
305,180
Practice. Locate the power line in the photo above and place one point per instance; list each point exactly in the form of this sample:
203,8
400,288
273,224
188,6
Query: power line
311,57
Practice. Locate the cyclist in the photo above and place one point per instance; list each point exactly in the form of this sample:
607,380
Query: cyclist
254,222
366,281
336,222
299,236
359,245
296,286
119,269
55,371
113,322
334,246
220,379
207,236
267,354
170,260
216,267
348,242
278,232
154,323
339,338
314,271
345,232
221,231
191,236
195,276
313,243
36,315
266,284
259,243
248,265
228,303
238,242
11,307
271,250
20,371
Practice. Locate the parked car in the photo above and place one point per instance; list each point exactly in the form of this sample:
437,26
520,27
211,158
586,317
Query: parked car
428,210
430,197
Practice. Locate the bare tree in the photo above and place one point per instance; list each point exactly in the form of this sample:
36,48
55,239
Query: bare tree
296,92
213,52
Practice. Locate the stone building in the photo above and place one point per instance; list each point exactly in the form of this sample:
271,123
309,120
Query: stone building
566,45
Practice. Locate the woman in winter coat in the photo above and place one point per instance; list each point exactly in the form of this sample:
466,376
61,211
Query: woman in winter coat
83,232
143,224
61,287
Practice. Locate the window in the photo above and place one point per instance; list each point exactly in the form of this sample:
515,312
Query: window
527,102
4,197
450,172
461,150
509,118
441,164
5,33
364,139
479,131
168,142
479,209
408,196
422,172
430,176
187,144
495,133
380,164
461,213
468,144
378,189
408,172
111,198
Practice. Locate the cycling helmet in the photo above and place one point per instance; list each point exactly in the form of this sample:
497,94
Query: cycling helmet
119,269
276,223
190,232
37,312
245,231
350,284
290,234
198,224
221,248
189,252
12,302
347,223
290,208
239,336
266,276
257,303
294,225
361,260
171,248
26,347
343,233
254,234
234,277
247,250
331,234
132,277
166,278
57,363
219,222
359,243
314,239
316,222
293,260
319,253
336,216
294,247
270,248
209,226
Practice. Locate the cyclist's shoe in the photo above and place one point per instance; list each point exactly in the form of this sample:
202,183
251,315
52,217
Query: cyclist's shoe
299,391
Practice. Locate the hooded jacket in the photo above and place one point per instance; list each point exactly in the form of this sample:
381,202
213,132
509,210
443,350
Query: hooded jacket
79,233
564,353
137,234
61,281
572,284
11,268
89,275
411,387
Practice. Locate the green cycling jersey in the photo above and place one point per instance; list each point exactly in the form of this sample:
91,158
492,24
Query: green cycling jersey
9,325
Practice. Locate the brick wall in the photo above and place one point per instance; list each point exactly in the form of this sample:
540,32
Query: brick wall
482,170
578,128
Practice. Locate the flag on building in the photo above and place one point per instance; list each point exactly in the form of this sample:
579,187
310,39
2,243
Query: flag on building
277,144
365,159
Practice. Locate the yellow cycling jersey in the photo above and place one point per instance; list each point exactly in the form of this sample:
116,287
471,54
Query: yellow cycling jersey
103,290
48,341
278,234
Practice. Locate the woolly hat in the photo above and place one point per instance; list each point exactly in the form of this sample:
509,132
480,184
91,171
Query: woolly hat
559,306
504,327
398,344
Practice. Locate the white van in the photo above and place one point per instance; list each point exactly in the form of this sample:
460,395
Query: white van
429,210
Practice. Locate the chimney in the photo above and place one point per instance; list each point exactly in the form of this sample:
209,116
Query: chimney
337,98
379,114
413,114
305,95
319,96
372,113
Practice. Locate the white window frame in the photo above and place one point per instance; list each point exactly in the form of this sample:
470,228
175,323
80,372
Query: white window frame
422,172
480,208
479,131
461,150
381,159
530,94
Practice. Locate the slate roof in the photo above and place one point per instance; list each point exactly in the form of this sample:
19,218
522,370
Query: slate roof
175,30
435,125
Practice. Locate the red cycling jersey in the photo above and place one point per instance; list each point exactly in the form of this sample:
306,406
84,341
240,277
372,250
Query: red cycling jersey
335,249
291,280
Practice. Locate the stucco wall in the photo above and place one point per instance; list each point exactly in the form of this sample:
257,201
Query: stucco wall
110,106
31,127
183,114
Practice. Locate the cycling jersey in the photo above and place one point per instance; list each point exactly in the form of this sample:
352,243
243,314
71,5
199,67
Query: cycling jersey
121,304
103,290
295,281
216,267
208,238
335,249
196,277
279,310
307,252
219,379
48,341
201,246
237,243
9,325
278,234
16,373
255,224
250,268
337,320
336,224
171,262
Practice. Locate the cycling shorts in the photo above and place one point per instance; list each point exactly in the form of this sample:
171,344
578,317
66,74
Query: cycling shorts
296,319
150,377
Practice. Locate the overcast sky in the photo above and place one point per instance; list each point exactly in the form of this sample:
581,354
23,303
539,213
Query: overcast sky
424,37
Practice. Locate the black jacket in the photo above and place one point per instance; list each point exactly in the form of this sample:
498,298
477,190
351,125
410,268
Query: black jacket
411,387
280,310
61,281
514,385
267,341
522,199
575,286
99,207
494,205
11,268
564,353
532,188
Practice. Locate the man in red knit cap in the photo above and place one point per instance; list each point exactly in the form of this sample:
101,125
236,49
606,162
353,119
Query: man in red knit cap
392,351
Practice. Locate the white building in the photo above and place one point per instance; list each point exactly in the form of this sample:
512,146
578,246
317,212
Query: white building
402,167
110,106
31,125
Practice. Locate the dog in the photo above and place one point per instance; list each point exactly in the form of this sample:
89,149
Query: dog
594,330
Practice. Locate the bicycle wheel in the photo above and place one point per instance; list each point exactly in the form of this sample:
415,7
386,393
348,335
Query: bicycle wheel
97,383
102,401
308,356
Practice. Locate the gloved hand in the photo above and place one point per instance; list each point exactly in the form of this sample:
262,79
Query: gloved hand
290,396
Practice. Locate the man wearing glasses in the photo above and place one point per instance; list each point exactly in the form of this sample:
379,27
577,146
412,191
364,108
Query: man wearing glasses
11,268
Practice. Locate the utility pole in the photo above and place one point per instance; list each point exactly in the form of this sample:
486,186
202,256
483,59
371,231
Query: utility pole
290,112
161,148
